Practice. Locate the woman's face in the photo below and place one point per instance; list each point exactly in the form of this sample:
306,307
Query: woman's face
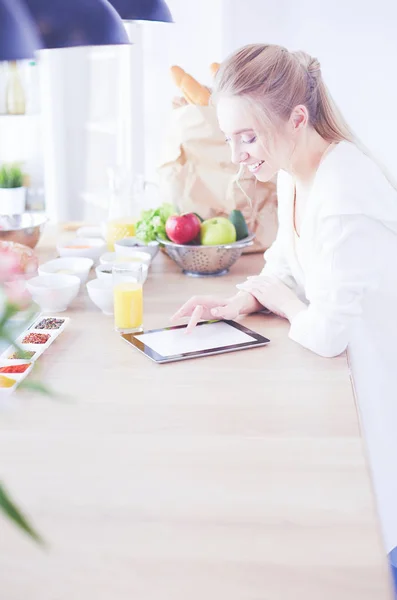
263,157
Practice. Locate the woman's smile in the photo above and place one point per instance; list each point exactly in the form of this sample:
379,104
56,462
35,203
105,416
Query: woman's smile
255,167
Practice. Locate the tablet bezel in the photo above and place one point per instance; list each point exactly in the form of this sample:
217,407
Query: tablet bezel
133,340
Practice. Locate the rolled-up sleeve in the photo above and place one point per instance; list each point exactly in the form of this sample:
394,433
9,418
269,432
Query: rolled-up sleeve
344,270
276,257
276,263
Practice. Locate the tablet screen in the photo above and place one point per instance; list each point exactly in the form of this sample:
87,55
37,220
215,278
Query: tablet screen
171,342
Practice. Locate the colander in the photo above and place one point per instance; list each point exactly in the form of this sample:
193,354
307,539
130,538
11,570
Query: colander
206,261
23,229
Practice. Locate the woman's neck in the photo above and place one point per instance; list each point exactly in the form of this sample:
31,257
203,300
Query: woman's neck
307,157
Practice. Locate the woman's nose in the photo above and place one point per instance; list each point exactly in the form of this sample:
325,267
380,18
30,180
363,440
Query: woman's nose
238,156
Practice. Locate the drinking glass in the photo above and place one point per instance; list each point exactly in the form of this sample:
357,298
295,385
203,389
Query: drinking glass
128,297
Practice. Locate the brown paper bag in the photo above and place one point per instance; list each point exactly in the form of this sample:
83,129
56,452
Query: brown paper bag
196,175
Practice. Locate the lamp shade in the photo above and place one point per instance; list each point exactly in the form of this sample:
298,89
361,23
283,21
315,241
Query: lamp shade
65,23
393,565
143,10
18,34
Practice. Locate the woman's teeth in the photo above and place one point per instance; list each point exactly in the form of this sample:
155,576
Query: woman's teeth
254,167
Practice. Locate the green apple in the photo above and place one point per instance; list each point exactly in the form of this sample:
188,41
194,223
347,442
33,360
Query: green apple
216,231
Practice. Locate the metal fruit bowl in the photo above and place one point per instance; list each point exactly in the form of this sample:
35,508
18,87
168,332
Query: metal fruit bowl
23,229
206,261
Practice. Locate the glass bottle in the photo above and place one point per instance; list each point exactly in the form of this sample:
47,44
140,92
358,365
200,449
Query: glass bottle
15,94
32,90
3,88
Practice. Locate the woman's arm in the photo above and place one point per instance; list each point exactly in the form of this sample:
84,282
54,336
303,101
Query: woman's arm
276,263
345,269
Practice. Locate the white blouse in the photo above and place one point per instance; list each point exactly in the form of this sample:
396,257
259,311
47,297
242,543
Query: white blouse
345,270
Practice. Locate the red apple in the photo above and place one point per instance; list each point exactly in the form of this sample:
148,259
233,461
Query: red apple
182,229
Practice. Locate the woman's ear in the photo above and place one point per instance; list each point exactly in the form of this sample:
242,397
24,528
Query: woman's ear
299,117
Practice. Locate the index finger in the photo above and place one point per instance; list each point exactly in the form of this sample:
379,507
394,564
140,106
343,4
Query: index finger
195,318
184,311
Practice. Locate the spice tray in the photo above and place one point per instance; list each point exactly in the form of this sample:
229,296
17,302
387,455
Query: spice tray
10,378
34,341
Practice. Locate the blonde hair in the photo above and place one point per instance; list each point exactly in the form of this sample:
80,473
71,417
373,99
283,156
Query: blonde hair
278,80
273,80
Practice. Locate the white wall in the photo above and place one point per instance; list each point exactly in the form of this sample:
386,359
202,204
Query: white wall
193,42
356,43
87,114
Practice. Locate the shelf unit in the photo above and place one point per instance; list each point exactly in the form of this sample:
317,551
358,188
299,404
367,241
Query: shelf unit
21,142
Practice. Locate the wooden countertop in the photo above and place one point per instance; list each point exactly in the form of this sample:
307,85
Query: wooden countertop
235,477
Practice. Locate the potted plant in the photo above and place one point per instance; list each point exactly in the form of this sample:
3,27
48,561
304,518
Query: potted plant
12,191
13,300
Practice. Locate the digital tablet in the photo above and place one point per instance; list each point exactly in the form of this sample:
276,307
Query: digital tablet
208,337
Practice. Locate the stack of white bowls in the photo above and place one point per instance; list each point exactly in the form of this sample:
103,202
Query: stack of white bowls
59,282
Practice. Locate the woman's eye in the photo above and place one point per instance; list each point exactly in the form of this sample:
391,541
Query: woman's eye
250,141
244,141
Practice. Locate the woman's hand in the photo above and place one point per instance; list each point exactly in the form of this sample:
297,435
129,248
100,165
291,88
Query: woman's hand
274,295
212,307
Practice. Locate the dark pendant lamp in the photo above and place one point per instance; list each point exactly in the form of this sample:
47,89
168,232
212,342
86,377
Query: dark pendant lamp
143,10
18,34
65,23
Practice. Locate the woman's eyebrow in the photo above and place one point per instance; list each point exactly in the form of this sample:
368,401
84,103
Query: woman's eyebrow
242,131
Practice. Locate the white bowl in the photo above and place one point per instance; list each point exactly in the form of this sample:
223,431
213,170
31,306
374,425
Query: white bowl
103,274
83,247
131,245
68,266
89,232
111,258
101,294
53,293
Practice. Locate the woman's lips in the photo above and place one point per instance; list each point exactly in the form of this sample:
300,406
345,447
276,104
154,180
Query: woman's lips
254,167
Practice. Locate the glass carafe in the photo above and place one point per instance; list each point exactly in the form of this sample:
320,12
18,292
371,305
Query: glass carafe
123,206
127,199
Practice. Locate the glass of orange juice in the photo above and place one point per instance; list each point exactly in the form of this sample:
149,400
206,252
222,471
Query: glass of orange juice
128,297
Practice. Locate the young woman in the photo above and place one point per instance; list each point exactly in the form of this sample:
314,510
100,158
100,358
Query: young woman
332,270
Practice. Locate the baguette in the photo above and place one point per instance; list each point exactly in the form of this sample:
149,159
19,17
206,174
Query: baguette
214,68
177,74
195,91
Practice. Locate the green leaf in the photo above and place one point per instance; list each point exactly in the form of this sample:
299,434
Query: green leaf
21,353
11,176
36,386
10,311
10,509
166,210
147,214
152,223
40,388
